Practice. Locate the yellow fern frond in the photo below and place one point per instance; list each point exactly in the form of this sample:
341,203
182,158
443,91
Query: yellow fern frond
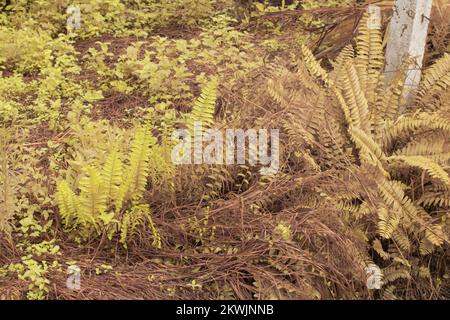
435,199
409,123
401,239
388,222
395,198
112,174
369,58
369,150
314,66
436,81
386,106
434,149
67,203
138,169
345,55
392,273
378,247
92,199
204,107
424,163
355,98
435,234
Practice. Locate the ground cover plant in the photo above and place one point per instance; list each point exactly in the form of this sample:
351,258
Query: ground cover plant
87,178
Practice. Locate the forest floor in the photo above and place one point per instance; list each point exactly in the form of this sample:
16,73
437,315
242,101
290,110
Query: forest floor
252,238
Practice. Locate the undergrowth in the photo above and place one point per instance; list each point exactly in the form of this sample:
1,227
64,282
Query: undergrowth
86,137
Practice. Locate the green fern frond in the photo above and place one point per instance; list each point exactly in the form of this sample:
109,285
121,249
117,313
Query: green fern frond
92,199
124,226
204,107
136,174
112,174
67,202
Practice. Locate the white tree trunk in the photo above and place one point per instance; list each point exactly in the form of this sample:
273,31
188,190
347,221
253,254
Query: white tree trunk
407,38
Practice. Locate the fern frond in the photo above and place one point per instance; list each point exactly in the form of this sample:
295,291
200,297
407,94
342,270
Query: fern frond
378,247
138,169
92,199
426,246
389,98
369,150
402,240
7,184
369,58
314,66
346,54
67,202
424,163
435,82
434,149
435,199
355,97
112,174
395,198
204,107
409,123
124,226
388,222
435,234
388,293
392,273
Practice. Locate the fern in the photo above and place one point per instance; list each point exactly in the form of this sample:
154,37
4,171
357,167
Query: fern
409,123
112,174
433,149
314,66
136,173
435,199
355,98
370,151
395,198
388,222
369,59
92,199
435,83
204,107
433,169
377,246
392,274
7,195
67,202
